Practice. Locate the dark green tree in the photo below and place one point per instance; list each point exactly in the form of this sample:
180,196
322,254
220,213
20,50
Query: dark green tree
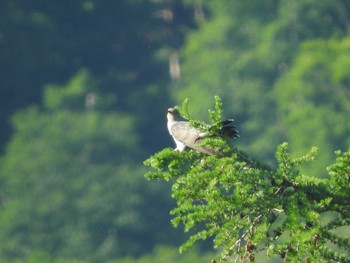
241,51
125,44
71,182
314,100
248,208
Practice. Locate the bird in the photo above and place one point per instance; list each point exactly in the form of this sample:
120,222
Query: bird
185,135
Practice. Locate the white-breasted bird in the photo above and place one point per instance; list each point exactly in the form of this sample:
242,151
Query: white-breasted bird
186,136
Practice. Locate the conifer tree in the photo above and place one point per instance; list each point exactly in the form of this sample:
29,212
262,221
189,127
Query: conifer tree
249,208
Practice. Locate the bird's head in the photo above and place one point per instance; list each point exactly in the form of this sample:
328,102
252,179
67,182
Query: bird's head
173,114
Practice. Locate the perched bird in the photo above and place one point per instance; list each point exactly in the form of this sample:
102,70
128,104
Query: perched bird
186,136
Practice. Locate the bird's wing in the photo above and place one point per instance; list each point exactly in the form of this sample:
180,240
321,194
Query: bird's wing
183,132
191,137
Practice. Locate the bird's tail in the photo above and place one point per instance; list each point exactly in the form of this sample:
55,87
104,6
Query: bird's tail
227,129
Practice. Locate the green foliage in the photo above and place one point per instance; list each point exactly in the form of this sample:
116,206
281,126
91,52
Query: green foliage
313,96
280,68
169,255
246,208
56,97
115,41
71,185
340,177
217,113
184,109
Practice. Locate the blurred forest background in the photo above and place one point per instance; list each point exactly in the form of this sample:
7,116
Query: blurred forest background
84,89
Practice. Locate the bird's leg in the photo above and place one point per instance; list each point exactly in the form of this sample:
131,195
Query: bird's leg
180,146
